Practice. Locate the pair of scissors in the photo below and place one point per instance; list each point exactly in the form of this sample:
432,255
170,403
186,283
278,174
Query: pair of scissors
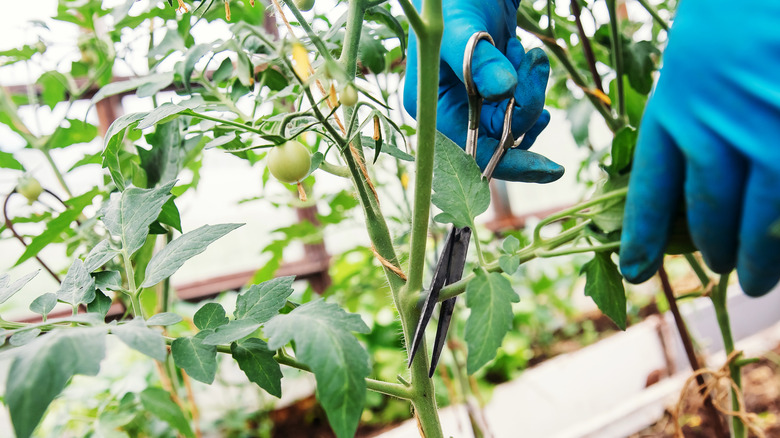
452,260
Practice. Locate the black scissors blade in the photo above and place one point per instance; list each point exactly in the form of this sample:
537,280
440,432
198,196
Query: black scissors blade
449,269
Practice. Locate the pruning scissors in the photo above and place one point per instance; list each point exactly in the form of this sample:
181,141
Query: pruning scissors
452,260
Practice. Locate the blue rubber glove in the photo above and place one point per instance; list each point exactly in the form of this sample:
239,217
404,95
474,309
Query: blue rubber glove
711,133
498,72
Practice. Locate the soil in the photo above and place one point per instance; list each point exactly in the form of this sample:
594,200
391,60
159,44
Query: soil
761,386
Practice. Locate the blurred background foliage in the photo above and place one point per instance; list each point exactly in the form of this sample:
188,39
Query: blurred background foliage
194,57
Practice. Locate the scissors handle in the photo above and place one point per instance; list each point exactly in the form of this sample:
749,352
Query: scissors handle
475,100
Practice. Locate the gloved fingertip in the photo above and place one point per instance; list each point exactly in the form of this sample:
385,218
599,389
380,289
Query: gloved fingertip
536,129
537,58
524,166
636,266
757,285
494,75
515,52
552,171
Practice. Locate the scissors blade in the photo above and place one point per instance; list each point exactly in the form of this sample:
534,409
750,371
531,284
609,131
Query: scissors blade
507,141
439,278
457,263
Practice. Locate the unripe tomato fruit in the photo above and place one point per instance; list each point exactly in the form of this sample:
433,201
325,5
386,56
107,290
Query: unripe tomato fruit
289,162
349,95
30,188
304,5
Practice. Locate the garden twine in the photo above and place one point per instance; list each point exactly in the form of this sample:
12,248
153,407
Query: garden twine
748,419
388,264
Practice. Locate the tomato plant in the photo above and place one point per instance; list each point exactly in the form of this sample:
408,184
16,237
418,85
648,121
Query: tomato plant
250,95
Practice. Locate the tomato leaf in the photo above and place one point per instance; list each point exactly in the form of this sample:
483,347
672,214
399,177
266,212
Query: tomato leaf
163,112
257,362
8,289
136,335
232,331
7,161
262,301
162,162
115,88
608,216
101,304
170,215
129,215
101,254
387,148
490,297
78,287
58,225
459,190
44,304
321,332
24,337
158,402
76,132
210,316
164,319
113,145
191,58
622,149
605,285
196,358
40,372
172,257
53,88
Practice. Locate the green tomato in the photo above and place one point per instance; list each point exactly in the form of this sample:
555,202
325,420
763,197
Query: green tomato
348,95
289,162
29,187
304,5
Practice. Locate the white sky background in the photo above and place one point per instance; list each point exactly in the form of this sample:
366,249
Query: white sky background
225,179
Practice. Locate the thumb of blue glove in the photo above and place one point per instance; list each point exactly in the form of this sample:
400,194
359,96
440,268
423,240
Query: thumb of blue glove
499,72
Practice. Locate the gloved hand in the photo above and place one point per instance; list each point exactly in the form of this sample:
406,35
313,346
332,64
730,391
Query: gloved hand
711,132
498,72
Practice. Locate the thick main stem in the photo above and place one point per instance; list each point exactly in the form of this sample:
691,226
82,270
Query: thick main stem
719,302
429,32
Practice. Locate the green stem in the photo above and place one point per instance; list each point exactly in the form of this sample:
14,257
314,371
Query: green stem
574,209
526,254
166,286
651,10
380,386
56,170
698,269
429,31
606,247
224,121
617,56
221,97
376,225
412,16
334,169
719,302
135,294
478,247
